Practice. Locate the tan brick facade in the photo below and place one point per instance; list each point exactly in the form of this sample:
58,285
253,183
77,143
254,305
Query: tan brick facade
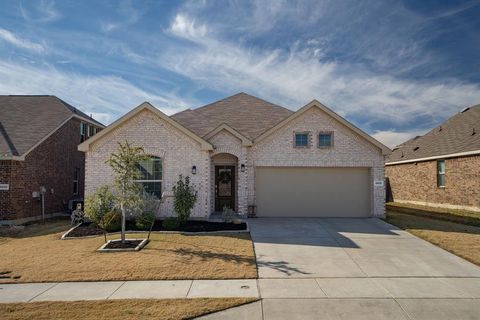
179,153
417,183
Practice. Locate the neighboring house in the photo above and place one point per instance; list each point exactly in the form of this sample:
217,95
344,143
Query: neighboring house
442,167
39,136
252,156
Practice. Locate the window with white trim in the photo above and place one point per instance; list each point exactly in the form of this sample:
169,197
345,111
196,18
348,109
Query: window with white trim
440,173
151,175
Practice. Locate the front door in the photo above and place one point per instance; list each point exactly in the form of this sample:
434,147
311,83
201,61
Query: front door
224,187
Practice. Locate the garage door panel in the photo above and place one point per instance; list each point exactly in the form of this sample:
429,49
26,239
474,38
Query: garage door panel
312,192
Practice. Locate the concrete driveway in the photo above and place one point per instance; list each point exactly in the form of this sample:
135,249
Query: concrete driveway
355,269
311,248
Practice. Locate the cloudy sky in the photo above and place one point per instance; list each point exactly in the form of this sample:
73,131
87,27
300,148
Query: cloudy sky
394,68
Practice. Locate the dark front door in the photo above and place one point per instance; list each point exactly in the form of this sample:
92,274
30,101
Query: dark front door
224,187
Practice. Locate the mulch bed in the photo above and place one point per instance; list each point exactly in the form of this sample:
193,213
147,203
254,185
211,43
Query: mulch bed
128,244
90,229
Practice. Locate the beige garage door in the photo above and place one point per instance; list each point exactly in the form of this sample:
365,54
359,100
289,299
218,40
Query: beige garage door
312,192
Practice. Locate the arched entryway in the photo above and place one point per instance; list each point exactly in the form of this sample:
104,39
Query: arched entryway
224,173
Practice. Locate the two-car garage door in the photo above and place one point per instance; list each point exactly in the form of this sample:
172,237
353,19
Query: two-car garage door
312,192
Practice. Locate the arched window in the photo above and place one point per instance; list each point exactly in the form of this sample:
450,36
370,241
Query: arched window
151,175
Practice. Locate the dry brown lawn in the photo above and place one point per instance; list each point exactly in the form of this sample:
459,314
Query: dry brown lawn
460,239
454,215
117,309
45,258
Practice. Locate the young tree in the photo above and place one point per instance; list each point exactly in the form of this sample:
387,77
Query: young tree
124,164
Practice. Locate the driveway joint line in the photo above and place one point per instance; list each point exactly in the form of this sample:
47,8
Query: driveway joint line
321,289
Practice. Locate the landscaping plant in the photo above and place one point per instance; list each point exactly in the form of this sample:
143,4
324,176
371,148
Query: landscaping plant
98,204
185,197
128,195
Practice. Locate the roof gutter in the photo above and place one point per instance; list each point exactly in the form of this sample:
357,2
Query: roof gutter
451,155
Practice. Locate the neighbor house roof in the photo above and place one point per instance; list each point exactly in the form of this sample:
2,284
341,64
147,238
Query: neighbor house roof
25,121
248,115
459,135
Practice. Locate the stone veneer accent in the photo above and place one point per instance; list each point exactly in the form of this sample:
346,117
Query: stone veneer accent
417,183
180,153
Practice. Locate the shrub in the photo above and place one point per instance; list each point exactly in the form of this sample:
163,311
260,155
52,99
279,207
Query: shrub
185,197
228,215
170,223
112,221
99,203
144,220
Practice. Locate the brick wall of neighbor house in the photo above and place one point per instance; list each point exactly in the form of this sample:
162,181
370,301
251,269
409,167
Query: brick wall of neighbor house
51,164
177,151
6,210
350,150
417,183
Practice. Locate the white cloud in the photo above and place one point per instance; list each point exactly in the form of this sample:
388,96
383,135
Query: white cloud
392,138
185,27
45,11
19,42
107,97
295,76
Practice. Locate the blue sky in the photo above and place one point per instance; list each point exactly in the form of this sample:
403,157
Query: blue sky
394,68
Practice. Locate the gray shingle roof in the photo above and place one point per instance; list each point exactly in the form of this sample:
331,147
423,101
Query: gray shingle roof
26,120
460,133
249,115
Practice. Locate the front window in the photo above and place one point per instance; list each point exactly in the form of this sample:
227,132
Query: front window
441,173
301,140
83,131
151,175
91,131
325,140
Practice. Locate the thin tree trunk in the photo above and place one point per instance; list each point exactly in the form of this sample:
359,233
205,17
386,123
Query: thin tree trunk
123,223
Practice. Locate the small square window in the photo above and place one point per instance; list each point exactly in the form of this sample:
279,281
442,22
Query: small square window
301,140
325,140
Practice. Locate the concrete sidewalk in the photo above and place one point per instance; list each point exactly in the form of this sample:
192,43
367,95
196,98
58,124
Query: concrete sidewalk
71,291
314,288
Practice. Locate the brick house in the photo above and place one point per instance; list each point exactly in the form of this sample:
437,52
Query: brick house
440,168
252,156
39,136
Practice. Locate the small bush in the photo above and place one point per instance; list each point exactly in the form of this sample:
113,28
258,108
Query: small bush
228,215
144,220
185,197
98,204
170,223
112,221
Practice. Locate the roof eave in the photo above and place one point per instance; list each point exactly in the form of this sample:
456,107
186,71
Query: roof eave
245,141
84,146
443,156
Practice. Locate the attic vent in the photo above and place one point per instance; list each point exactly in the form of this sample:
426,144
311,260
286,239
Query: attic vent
465,110
440,128
402,154
473,131
416,148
